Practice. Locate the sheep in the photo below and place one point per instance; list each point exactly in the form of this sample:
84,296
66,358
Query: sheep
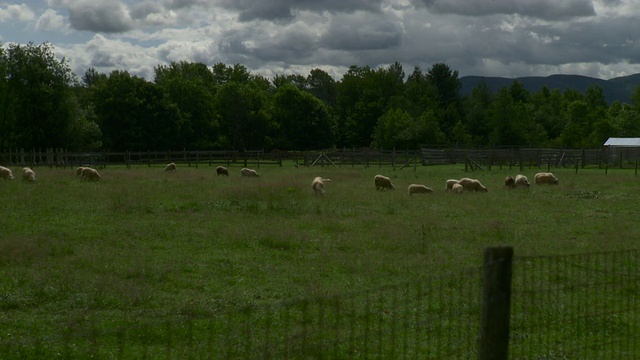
28,174
545,178
221,170
450,184
79,170
472,185
90,174
522,181
457,188
318,185
170,167
6,173
248,172
418,189
383,182
510,182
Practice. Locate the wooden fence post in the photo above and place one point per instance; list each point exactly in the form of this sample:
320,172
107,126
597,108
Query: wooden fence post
496,304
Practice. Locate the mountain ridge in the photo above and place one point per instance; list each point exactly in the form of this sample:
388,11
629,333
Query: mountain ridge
615,89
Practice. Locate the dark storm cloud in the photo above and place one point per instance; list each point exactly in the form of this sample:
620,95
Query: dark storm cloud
108,17
542,9
277,10
179,4
293,45
361,33
141,10
266,11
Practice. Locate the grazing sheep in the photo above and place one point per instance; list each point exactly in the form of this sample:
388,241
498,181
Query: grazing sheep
419,189
472,185
510,182
383,182
457,188
79,170
450,184
6,173
90,174
28,174
318,185
522,181
221,170
248,172
170,167
545,178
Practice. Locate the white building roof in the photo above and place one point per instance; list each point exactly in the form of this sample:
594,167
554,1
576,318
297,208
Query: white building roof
630,142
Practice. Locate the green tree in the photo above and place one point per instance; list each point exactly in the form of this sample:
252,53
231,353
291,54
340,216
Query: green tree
223,74
322,86
364,95
303,120
191,87
135,114
244,113
7,123
296,80
477,118
507,120
421,95
447,85
575,133
388,128
627,121
37,90
548,109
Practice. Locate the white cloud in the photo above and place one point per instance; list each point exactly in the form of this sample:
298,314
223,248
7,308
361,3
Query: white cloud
483,37
15,12
50,20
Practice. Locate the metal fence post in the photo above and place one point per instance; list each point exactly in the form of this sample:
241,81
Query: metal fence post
496,304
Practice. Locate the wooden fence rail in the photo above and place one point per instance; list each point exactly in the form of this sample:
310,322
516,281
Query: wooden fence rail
472,158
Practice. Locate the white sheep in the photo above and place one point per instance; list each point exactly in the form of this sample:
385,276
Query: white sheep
170,167
450,184
510,182
383,182
90,174
248,172
318,185
457,188
6,173
472,185
419,189
79,170
521,181
28,174
545,178
221,170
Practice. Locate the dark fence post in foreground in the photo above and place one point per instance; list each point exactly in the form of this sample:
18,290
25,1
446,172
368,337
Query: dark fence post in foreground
496,304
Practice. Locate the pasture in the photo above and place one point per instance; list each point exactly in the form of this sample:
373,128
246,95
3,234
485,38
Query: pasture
141,240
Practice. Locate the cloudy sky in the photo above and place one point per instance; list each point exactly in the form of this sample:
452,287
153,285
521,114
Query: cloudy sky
510,38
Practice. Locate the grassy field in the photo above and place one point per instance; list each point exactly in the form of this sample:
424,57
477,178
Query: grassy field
145,241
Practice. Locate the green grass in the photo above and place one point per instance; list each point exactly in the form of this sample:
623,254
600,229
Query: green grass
141,241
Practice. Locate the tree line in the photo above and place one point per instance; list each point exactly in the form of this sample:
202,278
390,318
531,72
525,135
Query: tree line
189,105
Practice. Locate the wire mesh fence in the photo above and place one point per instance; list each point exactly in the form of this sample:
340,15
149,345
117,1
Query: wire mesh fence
576,307
562,307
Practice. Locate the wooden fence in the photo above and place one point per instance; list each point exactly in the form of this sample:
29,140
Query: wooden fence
532,157
472,158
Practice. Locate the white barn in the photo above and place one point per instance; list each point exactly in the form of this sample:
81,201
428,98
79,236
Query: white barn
622,142
619,149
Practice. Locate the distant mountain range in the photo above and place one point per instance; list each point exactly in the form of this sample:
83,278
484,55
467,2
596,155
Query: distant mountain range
620,88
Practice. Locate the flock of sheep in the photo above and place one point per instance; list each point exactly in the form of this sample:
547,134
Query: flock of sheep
91,174
27,174
381,182
452,185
